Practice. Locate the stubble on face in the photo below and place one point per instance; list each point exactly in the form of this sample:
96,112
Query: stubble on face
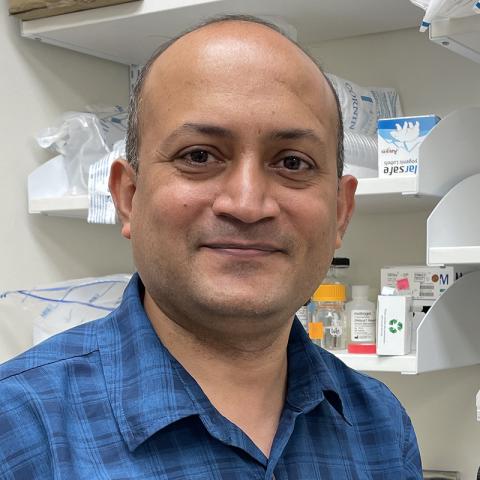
248,79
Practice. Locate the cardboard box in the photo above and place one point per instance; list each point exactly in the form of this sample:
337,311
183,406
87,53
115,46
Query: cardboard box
394,324
33,9
399,141
425,284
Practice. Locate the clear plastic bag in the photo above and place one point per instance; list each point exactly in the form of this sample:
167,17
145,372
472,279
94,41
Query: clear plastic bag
78,137
28,317
83,138
360,155
113,122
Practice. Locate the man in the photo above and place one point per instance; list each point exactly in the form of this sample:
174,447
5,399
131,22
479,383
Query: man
234,201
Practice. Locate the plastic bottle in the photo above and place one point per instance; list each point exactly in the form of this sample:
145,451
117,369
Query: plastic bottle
329,312
361,317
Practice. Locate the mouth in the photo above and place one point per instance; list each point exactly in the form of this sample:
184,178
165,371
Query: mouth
240,249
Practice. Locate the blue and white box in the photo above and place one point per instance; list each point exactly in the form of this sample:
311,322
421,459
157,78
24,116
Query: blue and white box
399,141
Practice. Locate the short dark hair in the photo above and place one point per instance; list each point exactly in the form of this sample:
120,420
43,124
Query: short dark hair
133,131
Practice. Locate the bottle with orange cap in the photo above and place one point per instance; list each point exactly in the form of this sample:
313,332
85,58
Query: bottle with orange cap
328,316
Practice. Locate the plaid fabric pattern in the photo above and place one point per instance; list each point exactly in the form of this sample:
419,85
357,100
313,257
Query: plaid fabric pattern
106,400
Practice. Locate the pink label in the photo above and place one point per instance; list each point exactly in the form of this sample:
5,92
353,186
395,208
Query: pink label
403,284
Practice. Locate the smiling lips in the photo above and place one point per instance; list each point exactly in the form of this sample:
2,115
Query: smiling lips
242,250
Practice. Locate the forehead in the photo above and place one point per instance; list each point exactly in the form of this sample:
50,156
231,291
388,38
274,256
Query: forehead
236,62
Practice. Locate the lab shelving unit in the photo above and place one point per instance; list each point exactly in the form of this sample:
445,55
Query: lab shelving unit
446,338
448,335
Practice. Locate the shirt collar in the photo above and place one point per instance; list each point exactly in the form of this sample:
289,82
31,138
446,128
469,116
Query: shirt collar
148,389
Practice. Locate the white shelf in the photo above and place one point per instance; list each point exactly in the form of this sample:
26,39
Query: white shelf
444,339
393,195
461,35
453,228
129,33
406,364
466,255
74,206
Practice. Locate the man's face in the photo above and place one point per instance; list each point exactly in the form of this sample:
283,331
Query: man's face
234,209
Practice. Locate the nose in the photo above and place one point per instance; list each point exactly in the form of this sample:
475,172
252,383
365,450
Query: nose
246,192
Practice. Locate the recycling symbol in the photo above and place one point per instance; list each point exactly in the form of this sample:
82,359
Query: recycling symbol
395,326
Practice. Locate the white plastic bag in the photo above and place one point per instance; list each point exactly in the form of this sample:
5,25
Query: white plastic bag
101,208
16,324
50,310
363,106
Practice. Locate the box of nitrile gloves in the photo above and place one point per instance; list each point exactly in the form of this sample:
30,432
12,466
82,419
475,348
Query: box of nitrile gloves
399,141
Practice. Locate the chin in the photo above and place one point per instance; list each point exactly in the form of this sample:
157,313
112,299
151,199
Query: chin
231,304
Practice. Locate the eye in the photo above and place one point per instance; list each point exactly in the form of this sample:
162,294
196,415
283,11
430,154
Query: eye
197,156
293,163
199,160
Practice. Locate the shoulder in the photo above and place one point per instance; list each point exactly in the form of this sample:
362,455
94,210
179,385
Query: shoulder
49,371
39,390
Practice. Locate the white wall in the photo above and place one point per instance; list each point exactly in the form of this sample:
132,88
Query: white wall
39,82
430,79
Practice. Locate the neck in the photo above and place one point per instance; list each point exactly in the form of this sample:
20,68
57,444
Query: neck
232,373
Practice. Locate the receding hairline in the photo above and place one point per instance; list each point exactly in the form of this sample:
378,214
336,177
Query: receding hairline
138,94
216,23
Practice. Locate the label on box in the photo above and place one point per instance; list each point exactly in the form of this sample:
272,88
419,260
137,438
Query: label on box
399,141
422,282
394,325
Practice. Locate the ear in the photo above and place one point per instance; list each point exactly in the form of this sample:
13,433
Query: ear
122,184
347,186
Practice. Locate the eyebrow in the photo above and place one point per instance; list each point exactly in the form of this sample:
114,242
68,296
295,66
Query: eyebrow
221,132
294,134
203,128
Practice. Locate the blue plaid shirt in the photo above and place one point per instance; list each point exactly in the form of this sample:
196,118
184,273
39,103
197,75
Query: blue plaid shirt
106,400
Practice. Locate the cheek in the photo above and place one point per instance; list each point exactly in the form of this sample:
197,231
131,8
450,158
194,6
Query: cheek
314,221
167,208
314,217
